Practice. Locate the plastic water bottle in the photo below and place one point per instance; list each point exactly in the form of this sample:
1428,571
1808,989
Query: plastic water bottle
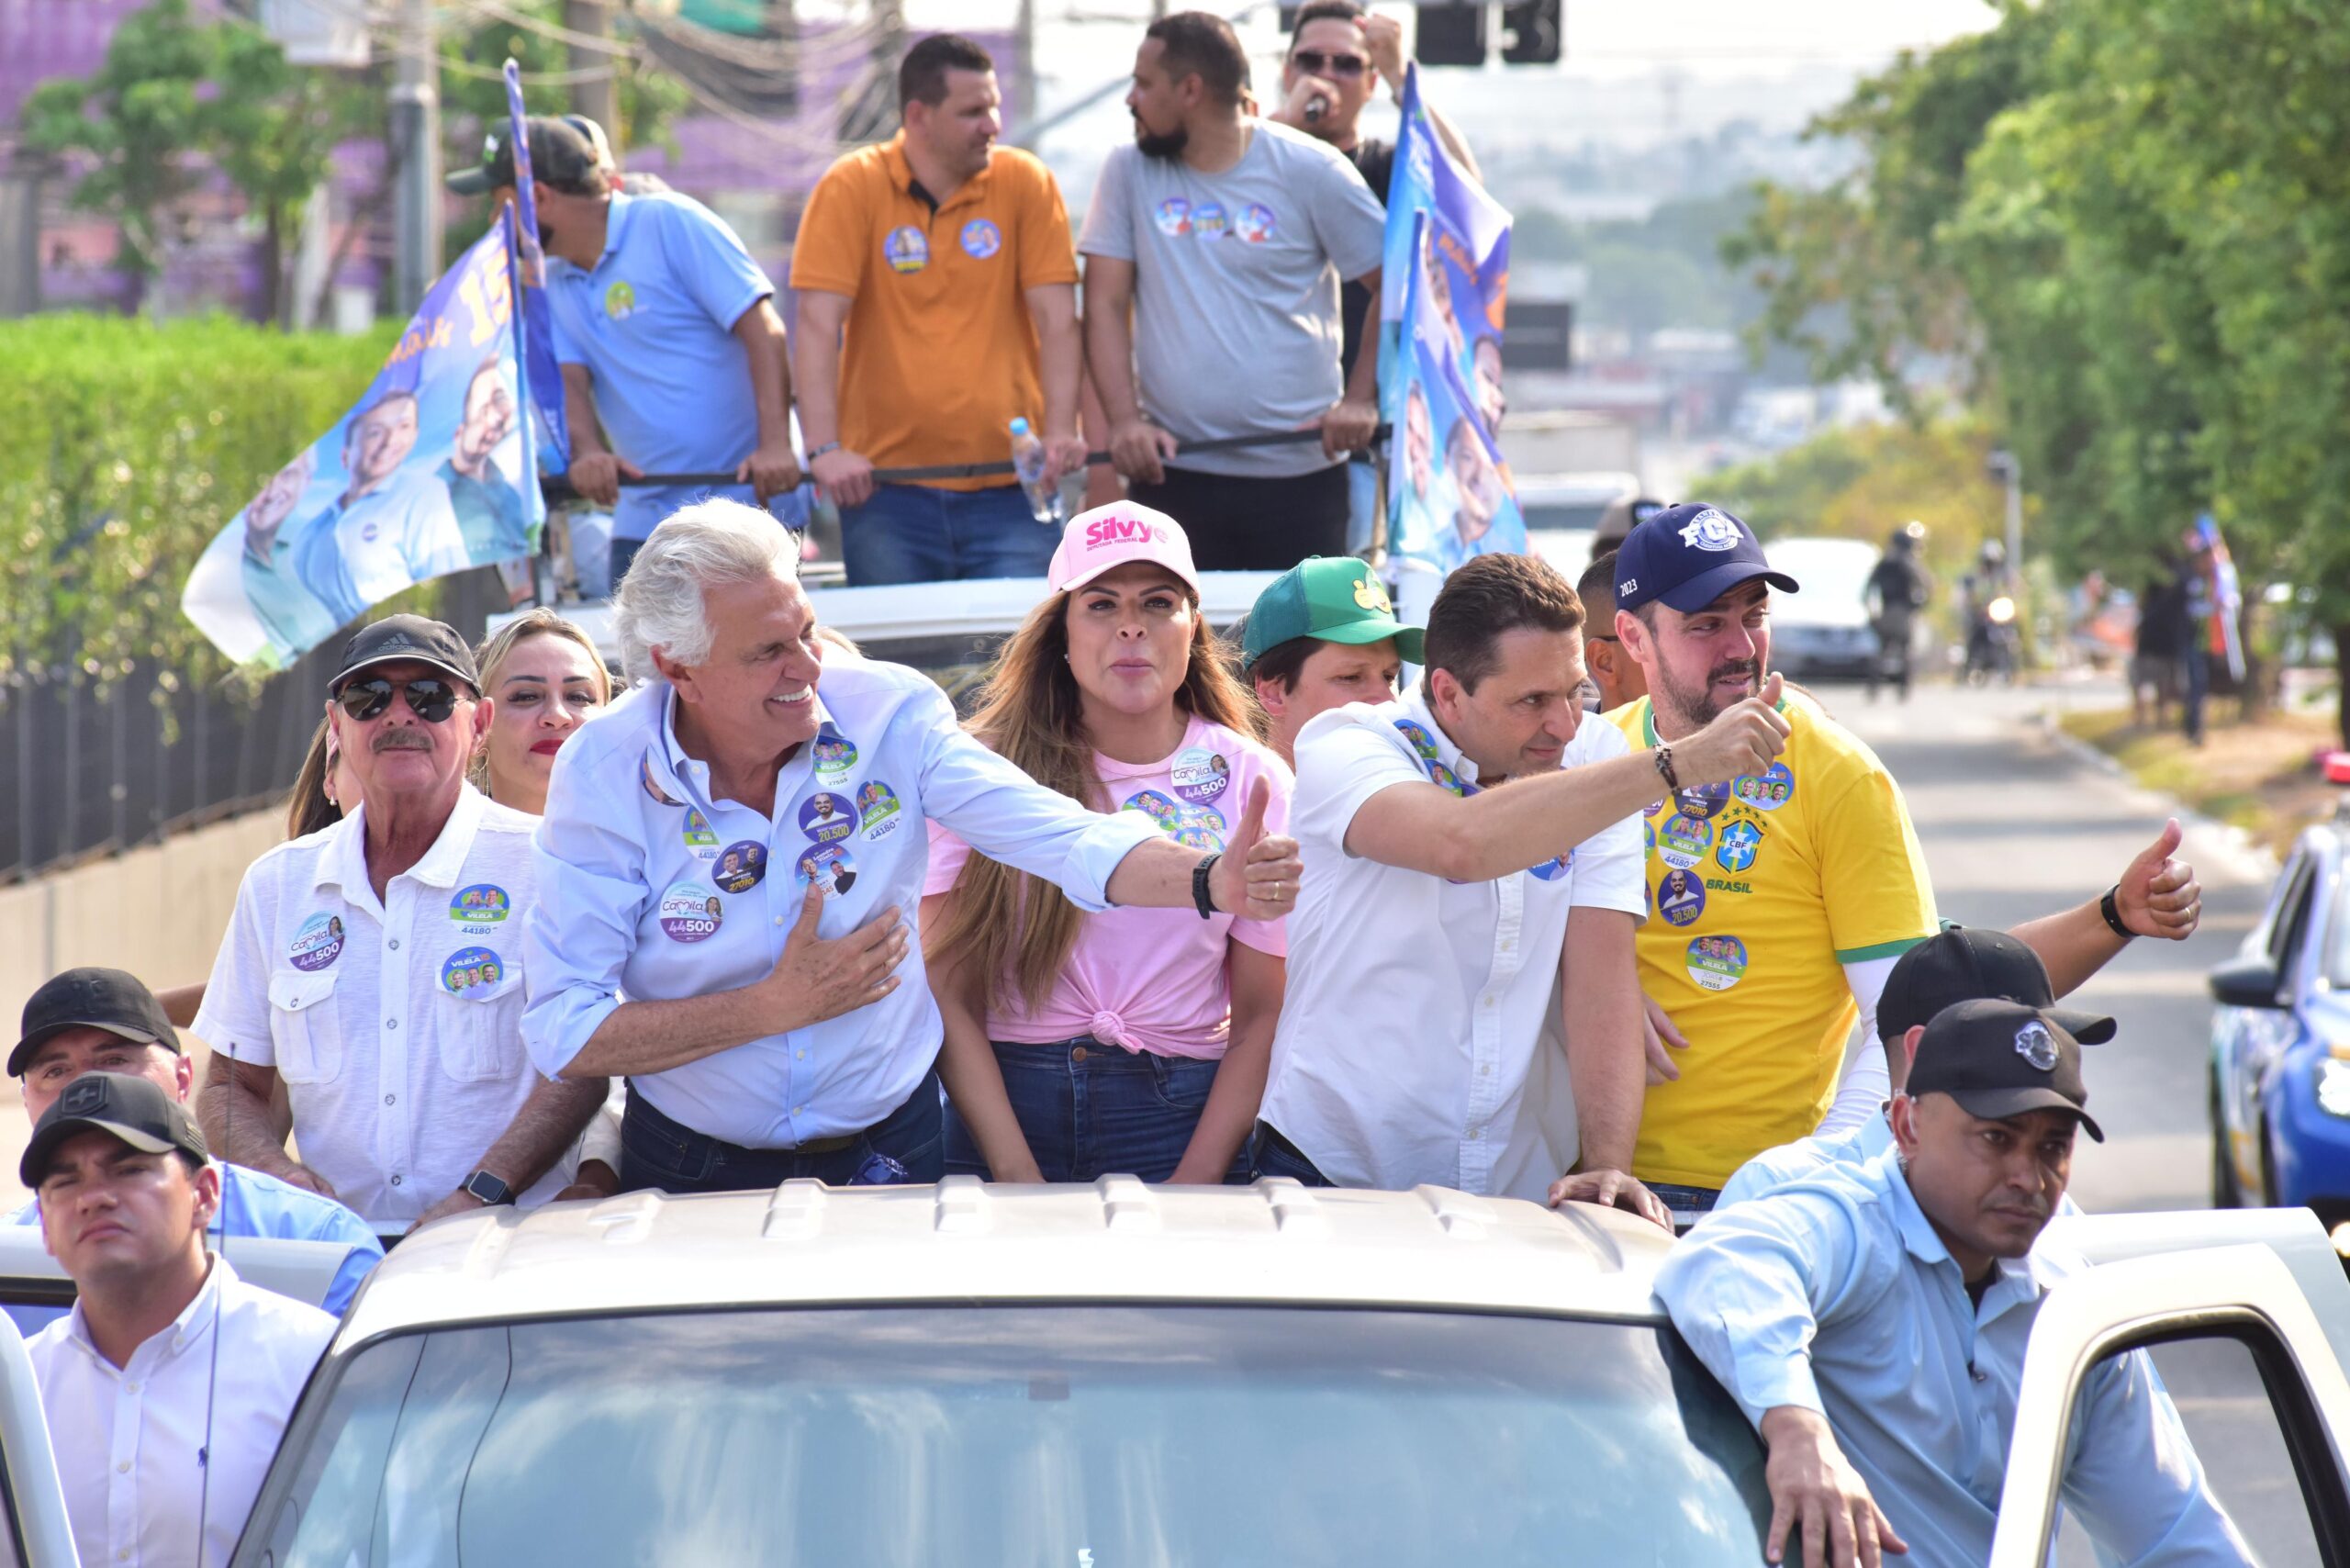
1028,462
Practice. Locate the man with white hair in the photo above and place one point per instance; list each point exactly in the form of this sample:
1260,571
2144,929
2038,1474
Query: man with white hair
767,1032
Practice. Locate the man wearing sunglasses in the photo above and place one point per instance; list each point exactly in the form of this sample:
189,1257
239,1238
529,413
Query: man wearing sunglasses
349,966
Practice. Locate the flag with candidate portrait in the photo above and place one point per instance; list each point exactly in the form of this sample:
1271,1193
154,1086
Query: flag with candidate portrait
537,323
431,472
1444,291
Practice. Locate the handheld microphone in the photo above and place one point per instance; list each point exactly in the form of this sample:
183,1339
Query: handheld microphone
1316,109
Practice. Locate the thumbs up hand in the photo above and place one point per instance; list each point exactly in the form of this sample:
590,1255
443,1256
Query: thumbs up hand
2159,896
1258,875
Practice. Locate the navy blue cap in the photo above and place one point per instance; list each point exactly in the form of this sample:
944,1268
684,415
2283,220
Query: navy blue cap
1688,557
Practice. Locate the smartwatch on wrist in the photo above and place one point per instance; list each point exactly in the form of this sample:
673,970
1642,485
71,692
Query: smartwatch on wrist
489,1189
1200,897
2109,906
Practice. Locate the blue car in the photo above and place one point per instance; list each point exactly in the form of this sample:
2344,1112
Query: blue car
2280,1037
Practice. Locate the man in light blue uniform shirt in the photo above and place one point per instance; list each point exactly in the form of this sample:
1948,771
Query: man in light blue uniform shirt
1873,1320
666,336
735,854
96,1020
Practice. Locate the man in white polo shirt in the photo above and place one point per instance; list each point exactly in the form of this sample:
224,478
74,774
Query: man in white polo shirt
1468,845
168,1385
377,967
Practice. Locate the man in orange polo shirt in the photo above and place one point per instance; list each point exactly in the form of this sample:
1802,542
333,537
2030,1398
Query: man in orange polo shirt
937,303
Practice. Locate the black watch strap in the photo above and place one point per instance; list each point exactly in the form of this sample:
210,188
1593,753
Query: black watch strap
1200,899
489,1189
2109,906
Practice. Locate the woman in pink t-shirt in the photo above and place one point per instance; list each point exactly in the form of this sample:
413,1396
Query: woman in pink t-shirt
1135,1040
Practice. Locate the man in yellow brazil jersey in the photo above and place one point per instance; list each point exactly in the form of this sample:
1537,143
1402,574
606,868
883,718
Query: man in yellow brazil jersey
1779,901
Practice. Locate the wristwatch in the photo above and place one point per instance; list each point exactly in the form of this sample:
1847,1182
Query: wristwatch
489,1189
1200,900
816,451
2109,906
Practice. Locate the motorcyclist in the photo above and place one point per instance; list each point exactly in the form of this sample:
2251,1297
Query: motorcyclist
1991,636
1897,589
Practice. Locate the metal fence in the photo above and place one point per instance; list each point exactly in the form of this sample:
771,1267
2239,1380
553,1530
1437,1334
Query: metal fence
86,771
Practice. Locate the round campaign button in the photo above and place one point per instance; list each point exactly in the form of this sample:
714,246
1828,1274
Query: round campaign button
827,818
318,942
1768,791
478,909
690,912
879,814
740,866
653,784
1682,842
1742,841
981,238
1200,775
471,968
1648,836
1158,807
907,248
1703,802
1651,809
1173,218
1716,963
1209,222
1551,870
1423,743
1256,223
1200,828
1443,777
1680,898
835,754
701,838
831,866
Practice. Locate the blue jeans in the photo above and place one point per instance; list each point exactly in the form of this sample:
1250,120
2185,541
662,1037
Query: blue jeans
1090,1109
1689,1204
2197,664
918,533
1271,1154
672,1157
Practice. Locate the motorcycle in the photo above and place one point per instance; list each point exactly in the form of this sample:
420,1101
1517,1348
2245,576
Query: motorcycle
1993,646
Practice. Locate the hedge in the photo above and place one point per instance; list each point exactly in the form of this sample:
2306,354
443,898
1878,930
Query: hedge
127,445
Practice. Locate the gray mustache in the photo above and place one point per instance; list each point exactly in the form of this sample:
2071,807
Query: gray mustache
402,740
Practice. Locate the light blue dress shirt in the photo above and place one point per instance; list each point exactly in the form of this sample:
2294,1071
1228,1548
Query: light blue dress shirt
648,887
1807,1157
1837,1295
253,1202
654,323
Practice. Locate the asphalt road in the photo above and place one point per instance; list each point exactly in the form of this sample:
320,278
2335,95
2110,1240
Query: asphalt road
2016,824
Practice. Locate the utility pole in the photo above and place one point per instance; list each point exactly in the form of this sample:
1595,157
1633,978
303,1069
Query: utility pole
596,94
1023,90
2005,466
416,152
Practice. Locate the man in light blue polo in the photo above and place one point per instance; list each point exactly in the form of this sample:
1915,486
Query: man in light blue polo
99,1020
390,527
1871,1322
672,352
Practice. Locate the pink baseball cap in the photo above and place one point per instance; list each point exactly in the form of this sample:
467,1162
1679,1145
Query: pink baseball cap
1113,536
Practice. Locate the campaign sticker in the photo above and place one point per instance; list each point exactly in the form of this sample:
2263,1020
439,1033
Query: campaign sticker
835,754
1255,225
1200,775
907,248
740,866
1716,963
1766,791
1423,743
701,838
1680,898
471,968
1682,842
827,818
620,300
1648,836
1157,806
981,238
1200,828
1703,802
830,865
319,942
1443,777
479,907
1173,217
653,785
1651,809
1208,221
1551,870
1742,841
690,912
877,811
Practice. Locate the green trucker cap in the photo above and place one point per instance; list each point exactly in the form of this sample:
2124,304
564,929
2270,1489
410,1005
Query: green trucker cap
1335,599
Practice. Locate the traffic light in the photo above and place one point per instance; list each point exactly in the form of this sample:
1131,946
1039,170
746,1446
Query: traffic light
1532,31
1451,34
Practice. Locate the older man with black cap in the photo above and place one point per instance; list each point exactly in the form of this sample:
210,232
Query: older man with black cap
161,1455
97,1020
1873,1322
377,967
1781,897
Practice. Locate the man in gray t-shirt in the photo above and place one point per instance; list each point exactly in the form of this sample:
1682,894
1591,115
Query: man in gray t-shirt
1227,237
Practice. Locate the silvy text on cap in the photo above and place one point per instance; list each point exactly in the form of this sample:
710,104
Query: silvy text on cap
99,999
1110,536
406,639
560,156
1966,963
133,1109
1333,599
2001,1058
1687,556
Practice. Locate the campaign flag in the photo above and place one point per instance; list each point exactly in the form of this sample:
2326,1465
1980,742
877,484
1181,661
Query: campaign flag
541,376
1444,290
2227,597
430,473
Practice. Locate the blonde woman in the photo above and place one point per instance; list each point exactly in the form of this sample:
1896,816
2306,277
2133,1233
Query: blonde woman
547,679
1135,1040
